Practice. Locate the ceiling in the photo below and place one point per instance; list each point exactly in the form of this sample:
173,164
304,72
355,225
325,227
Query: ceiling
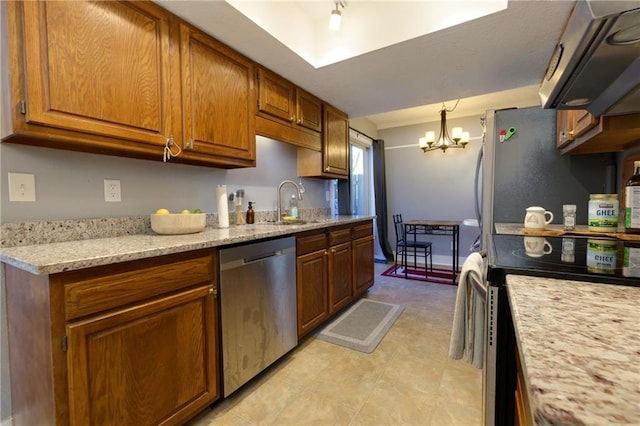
495,61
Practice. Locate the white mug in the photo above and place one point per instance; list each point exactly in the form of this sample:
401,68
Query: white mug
536,218
537,246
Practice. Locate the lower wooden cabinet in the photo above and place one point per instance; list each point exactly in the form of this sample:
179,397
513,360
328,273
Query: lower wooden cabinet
312,290
334,266
129,343
523,415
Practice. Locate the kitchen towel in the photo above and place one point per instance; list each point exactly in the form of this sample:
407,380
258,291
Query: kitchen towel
223,206
467,334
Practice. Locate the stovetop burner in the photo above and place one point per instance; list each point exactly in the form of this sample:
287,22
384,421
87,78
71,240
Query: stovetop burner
576,258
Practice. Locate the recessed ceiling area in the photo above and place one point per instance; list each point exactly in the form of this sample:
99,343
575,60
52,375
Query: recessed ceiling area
303,25
488,60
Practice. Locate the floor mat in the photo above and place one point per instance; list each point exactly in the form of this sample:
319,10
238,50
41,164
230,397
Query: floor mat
437,276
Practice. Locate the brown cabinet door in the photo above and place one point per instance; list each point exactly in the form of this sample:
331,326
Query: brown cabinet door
218,98
363,268
582,121
564,129
309,111
335,147
312,291
153,363
340,289
276,96
100,68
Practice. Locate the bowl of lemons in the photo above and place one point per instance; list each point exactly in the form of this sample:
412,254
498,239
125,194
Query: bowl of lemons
186,222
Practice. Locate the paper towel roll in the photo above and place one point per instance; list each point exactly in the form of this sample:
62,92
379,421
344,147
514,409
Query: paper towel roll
223,206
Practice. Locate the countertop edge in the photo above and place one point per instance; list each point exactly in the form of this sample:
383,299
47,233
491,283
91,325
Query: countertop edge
50,258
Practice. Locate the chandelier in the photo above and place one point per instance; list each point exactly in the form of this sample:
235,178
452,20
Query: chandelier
458,138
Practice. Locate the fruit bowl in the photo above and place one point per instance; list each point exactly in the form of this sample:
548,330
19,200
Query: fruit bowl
173,224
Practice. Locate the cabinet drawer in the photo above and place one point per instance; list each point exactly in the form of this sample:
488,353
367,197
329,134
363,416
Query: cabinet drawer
362,230
103,288
338,236
311,243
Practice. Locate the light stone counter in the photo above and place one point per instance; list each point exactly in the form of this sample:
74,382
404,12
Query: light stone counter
56,257
580,350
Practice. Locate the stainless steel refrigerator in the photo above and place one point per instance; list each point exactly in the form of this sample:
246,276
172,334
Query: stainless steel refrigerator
523,168
519,166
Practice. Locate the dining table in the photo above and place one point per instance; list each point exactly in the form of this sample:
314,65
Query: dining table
416,227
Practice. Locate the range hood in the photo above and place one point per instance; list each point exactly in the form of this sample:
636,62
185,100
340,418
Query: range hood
596,64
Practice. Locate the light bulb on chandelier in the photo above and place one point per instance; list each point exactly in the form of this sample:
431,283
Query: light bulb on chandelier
458,138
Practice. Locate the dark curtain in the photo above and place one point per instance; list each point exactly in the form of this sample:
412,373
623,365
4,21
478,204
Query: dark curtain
380,191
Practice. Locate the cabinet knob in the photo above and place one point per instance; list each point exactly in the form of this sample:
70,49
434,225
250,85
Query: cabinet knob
293,118
333,250
326,253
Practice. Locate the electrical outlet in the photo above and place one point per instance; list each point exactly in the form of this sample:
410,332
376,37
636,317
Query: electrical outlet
112,190
22,187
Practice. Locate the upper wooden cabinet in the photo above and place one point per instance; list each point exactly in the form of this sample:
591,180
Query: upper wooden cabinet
116,78
81,69
333,161
580,132
217,100
286,112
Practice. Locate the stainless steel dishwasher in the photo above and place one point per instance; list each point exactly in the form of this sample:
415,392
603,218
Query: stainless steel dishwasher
257,307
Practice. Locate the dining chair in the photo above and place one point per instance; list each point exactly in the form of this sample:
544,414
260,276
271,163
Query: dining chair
405,246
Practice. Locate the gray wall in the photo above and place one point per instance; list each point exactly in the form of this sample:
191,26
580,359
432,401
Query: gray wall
69,185
432,185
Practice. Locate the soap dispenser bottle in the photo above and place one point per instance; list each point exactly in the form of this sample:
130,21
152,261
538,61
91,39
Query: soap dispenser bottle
251,218
293,206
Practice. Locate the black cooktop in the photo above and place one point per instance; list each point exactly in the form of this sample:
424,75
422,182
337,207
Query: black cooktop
599,260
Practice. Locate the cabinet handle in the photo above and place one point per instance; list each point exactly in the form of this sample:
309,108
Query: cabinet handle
326,253
333,250
293,118
326,169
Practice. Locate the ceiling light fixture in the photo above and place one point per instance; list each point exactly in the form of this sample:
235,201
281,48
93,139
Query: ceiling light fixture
336,16
458,138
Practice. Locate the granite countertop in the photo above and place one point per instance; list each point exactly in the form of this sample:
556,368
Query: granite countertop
580,350
56,257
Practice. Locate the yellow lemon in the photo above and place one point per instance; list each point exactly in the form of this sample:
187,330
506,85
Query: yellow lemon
162,211
185,211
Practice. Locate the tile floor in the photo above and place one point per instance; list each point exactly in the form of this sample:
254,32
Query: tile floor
407,380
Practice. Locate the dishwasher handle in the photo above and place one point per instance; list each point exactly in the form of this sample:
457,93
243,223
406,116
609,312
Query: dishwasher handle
261,257
257,258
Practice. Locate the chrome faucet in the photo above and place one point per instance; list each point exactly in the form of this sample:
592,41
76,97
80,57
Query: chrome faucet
279,197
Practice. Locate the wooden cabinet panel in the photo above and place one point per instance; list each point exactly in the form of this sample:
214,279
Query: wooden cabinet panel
286,112
363,264
98,68
218,99
152,360
333,269
592,135
336,142
333,161
337,236
340,289
312,290
276,96
309,110
582,121
151,364
85,296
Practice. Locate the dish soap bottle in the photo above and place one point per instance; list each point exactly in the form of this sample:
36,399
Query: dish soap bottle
632,201
251,218
293,206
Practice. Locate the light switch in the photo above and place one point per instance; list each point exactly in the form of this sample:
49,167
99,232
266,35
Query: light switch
22,187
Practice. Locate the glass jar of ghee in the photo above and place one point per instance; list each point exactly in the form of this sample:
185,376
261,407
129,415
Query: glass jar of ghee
603,212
